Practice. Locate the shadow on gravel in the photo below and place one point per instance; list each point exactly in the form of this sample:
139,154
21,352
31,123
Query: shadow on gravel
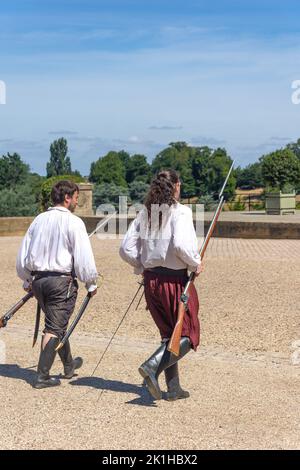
13,371
143,399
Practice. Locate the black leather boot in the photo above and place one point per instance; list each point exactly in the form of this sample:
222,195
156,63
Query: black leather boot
70,364
148,371
175,392
159,361
46,360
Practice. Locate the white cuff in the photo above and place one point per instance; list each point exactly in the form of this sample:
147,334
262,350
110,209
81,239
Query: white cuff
26,284
139,270
91,287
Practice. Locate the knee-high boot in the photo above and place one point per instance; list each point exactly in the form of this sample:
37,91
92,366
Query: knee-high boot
46,360
159,361
70,364
174,392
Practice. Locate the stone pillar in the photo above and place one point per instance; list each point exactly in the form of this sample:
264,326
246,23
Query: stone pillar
85,201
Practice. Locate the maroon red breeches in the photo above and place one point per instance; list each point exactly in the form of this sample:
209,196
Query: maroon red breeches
162,294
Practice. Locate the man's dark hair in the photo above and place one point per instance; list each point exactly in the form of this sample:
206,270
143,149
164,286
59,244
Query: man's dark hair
61,189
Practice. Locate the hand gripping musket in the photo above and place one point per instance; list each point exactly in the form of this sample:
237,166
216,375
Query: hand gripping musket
8,315
174,343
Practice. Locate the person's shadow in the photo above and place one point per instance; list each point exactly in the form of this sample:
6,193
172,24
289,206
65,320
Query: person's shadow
144,398
28,375
13,371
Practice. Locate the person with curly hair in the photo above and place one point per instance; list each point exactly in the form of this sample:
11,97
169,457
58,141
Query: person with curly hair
161,244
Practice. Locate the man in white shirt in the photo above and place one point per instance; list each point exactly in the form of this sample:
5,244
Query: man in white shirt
55,250
161,243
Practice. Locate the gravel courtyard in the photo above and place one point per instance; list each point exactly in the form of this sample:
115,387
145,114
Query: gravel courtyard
243,382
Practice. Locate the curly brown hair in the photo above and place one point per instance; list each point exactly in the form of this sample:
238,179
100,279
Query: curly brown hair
162,190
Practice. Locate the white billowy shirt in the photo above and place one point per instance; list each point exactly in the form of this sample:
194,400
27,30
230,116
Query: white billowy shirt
57,240
175,248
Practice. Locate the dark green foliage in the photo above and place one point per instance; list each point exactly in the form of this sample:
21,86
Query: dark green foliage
177,156
281,169
19,201
138,169
295,148
13,171
209,170
138,191
19,189
208,201
108,193
59,163
249,177
109,169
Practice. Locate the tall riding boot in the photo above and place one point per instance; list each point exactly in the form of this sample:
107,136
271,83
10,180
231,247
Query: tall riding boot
159,361
70,364
46,360
174,392
148,371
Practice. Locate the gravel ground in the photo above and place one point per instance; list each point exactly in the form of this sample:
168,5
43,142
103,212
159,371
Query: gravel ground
243,384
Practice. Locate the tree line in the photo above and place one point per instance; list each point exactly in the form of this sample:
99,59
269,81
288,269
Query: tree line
202,171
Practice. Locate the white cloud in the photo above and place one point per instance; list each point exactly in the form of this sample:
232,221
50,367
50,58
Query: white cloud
165,128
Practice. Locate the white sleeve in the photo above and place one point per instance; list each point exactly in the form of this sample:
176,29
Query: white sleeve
83,257
130,250
22,271
185,239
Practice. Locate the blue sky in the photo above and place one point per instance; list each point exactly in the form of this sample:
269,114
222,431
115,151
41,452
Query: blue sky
136,75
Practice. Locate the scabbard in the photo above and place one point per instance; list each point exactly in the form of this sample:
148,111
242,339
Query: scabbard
75,322
37,324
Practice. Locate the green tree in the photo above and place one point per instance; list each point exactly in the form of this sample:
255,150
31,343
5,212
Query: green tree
13,171
35,181
138,191
208,201
59,163
108,193
295,148
209,170
200,168
18,202
220,163
177,156
125,158
249,177
108,169
281,169
138,169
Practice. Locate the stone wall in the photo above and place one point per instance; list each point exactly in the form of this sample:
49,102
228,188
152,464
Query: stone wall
17,226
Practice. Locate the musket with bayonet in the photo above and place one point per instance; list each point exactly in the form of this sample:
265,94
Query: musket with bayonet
174,343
